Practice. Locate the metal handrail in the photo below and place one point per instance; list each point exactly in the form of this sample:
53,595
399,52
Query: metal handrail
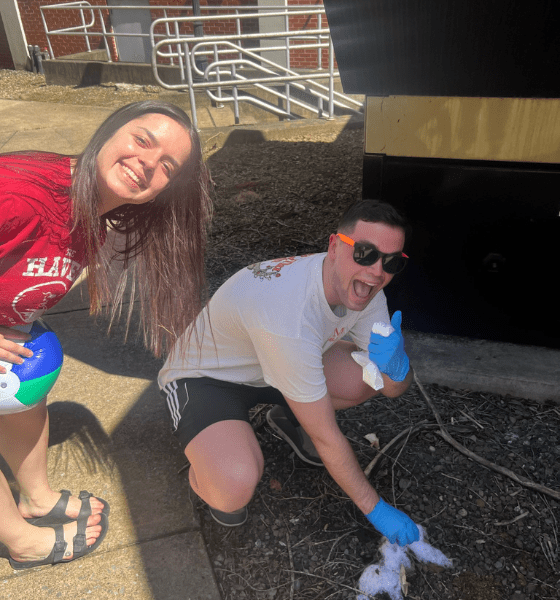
96,27
213,76
223,77
98,22
81,4
188,48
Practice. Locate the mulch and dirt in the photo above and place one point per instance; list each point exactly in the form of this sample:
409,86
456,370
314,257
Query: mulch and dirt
305,540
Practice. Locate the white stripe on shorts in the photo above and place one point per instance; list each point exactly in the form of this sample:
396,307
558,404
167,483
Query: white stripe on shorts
173,403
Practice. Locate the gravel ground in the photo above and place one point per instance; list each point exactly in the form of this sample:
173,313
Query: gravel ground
23,85
304,539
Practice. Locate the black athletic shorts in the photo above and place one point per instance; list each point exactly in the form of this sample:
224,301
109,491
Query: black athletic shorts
195,403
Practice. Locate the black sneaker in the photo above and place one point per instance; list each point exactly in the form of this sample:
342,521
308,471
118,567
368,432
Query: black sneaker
294,435
233,519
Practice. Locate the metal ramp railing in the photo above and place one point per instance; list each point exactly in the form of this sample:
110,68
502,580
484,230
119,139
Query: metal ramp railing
225,68
230,68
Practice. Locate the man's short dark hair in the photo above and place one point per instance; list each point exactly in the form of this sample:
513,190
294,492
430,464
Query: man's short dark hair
371,211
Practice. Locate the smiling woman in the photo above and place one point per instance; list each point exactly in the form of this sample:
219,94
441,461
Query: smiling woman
140,160
143,173
136,197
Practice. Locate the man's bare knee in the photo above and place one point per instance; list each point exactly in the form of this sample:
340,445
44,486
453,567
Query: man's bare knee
229,488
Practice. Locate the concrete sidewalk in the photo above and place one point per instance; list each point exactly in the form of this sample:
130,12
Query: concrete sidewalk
109,430
110,435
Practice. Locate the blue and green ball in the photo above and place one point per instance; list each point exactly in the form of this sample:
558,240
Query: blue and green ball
24,386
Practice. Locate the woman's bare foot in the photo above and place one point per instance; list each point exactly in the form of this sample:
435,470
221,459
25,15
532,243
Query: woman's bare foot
38,542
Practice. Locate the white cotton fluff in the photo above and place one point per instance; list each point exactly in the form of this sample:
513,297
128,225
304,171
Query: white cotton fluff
384,329
385,576
370,372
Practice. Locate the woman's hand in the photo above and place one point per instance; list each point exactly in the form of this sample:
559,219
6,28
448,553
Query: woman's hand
10,351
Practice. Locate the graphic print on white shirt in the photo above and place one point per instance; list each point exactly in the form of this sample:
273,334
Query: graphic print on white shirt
270,324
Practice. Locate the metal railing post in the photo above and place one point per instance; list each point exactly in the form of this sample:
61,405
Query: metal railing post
105,37
190,83
180,54
288,62
235,98
319,49
218,76
168,32
51,52
88,46
331,79
238,31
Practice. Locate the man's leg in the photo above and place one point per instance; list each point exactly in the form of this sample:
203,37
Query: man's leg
344,376
211,420
346,389
226,464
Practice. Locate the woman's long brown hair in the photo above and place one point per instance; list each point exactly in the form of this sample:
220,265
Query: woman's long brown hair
160,253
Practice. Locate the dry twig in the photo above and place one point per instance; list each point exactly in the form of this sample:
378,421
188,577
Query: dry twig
291,558
518,518
406,432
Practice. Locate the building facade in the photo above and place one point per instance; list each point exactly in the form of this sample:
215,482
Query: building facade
21,24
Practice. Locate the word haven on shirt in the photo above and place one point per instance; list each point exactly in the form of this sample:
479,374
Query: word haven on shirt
61,266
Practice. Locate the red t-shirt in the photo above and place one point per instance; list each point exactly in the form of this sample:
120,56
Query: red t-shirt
40,257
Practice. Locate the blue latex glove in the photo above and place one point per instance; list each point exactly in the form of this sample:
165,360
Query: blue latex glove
393,524
388,352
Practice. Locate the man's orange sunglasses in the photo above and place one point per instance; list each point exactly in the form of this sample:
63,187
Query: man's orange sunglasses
367,255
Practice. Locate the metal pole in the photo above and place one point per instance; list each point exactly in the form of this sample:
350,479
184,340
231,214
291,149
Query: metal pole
48,37
191,89
201,63
331,79
85,30
108,46
288,64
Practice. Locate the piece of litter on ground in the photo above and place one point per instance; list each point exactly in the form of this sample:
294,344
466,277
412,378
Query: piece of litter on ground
389,575
372,439
403,582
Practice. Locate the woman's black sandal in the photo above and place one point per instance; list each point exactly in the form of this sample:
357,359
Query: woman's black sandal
80,547
58,516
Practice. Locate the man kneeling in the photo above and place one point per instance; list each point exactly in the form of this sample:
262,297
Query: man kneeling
272,334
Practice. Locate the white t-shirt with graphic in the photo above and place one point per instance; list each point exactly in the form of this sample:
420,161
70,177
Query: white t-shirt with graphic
270,324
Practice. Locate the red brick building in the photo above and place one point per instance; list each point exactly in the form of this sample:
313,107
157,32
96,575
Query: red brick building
33,31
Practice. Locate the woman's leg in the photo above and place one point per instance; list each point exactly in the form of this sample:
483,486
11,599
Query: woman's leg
26,542
24,439
226,464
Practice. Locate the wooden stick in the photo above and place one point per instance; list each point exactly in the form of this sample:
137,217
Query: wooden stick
521,516
381,454
292,580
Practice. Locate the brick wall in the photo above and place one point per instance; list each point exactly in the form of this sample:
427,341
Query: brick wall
306,59
34,30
